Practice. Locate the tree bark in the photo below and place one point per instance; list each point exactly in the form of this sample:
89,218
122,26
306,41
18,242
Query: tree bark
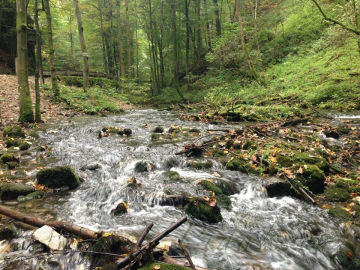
198,30
207,25
136,41
54,84
71,38
26,111
128,39
187,42
83,46
175,47
217,18
121,60
102,37
37,64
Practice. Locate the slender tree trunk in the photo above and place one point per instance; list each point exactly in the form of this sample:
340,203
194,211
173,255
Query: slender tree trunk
256,27
54,84
83,46
102,37
41,68
136,41
187,41
71,37
37,64
217,18
207,25
198,30
175,46
128,39
243,43
26,111
153,51
121,60
160,44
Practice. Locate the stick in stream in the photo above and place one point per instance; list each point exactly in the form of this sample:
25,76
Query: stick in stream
187,255
152,244
143,235
57,225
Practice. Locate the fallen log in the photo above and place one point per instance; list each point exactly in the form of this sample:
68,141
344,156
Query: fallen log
57,225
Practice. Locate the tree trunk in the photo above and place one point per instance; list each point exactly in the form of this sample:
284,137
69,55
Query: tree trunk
136,41
121,60
217,18
175,47
102,37
54,84
187,42
128,39
83,46
243,43
37,64
198,30
71,37
26,112
207,25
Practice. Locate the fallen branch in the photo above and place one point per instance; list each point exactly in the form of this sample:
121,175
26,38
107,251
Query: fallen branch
143,235
187,255
57,225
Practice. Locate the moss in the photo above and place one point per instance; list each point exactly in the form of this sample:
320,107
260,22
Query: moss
155,136
24,146
13,131
313,178
223,201
172,176
248,145
340,212
218,153
336,194
34,134
10,191
158,130
163,266
12,165
58,177
348,259
199,209
210,186
7,157
345,182
10,142
143,166
174,129
32,196
240,165
226,187
299,158
172,162
200,165
355,189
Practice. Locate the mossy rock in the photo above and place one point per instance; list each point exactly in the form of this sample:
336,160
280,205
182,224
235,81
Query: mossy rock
219,186
13,131
172,162
144,166
7,232
199,209
210,186
223,201
155,136
10,191
110,244
174,130
158,130
217,153
240,165
341,213
11,142
248,145
58,177
32,196
355,189
299,158
163,266
24,146
336,194
198,165
8,157
127,131
194,130
172,176
34,134
120,209
346,182
347,259
313,178
12,165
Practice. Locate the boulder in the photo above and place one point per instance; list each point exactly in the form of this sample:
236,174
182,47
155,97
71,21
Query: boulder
199,209
24,146
238,164
58,177
13,131
313,178
50,238
276,187
10,191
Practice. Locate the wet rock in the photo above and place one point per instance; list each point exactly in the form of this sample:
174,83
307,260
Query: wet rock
58,177
158,130
174,129
7,232
109,244
13,131
313,178
172,162
226,187
276,187
41,148
198,165
10,191
210,186
24,146
50,238
199,209
331,134
32,196
144,166
240,165
91,167
171,176
127,131
120,209
336,194
132,183
341,213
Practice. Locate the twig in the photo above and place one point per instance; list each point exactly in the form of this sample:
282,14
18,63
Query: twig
143,235
187,255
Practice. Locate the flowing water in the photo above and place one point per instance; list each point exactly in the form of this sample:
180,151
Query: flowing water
257,233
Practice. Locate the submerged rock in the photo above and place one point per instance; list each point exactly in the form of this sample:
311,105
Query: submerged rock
120,209
13,131
172,162
171,176
58,177
50,238
10,191
91,167
199,209
276,187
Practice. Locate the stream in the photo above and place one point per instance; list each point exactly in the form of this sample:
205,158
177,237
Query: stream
257,233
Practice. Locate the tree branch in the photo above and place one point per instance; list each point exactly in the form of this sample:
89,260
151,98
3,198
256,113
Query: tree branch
355,31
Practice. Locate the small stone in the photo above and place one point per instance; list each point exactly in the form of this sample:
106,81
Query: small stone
50,238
